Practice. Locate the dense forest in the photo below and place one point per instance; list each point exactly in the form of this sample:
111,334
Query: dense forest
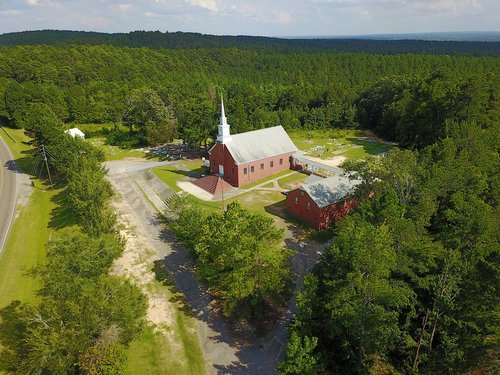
97,84
183,40
410,284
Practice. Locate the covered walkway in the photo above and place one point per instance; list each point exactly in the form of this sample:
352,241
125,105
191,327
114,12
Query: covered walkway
315,166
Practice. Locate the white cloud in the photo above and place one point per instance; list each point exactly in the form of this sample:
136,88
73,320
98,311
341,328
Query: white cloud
125,8
284,18
207,4
153,15
257,17
451,7
10,12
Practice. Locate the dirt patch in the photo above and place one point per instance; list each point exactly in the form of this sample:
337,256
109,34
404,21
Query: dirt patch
332,162
136,264
293,184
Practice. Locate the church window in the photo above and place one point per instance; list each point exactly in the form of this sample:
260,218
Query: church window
296,200
308,205
261,165
272,163
281,161
252,169
245,170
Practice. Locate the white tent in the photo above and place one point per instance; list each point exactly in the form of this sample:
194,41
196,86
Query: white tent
75,132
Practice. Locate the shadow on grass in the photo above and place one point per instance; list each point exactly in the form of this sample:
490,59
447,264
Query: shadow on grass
25,164
300,230
196,173
62,215
12,336
163,277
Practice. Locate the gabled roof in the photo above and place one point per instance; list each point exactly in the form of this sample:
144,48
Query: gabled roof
260,144
327,191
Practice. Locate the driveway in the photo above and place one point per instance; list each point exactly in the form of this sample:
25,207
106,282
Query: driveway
228,348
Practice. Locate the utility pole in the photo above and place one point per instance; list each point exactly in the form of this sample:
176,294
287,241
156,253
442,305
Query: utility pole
44,153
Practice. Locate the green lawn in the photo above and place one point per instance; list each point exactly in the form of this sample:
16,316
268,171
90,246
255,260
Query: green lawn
258,200
19,150
169,349
170,175
95,130
25,248
195,165
254,200
115,152
352,144
268,178
293,181
96,134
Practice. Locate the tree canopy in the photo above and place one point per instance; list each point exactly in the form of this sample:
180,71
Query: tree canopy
411,282
239,253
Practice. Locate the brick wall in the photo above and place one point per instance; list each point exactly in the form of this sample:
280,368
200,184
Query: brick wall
241,174
300,205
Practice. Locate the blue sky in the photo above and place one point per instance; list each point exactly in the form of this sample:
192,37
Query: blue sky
255,17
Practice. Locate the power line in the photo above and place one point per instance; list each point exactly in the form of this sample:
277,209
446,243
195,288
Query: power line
44,152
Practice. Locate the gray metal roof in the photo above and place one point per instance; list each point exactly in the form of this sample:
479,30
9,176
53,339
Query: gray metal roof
327,191
260,144
302,159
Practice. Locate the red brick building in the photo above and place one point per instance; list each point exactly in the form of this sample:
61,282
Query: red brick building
247,157
320,202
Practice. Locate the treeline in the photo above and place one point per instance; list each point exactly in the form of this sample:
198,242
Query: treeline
239,254
417,111
182,40
76,163
96,84
83,318
410,284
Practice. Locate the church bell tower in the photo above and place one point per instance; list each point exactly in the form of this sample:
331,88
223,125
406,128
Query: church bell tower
223,135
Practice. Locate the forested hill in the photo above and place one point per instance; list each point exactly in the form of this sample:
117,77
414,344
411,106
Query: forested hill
181,40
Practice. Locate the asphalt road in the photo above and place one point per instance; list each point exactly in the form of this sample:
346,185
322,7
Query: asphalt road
8,191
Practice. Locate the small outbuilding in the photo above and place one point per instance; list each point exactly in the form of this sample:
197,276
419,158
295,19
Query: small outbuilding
320,202
75,132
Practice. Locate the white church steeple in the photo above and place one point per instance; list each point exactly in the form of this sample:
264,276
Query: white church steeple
223,135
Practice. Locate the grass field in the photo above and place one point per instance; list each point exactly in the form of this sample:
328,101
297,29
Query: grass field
15,139
325,144
292,181
25,248
268,178
96,134
170,175
173,349
115,152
